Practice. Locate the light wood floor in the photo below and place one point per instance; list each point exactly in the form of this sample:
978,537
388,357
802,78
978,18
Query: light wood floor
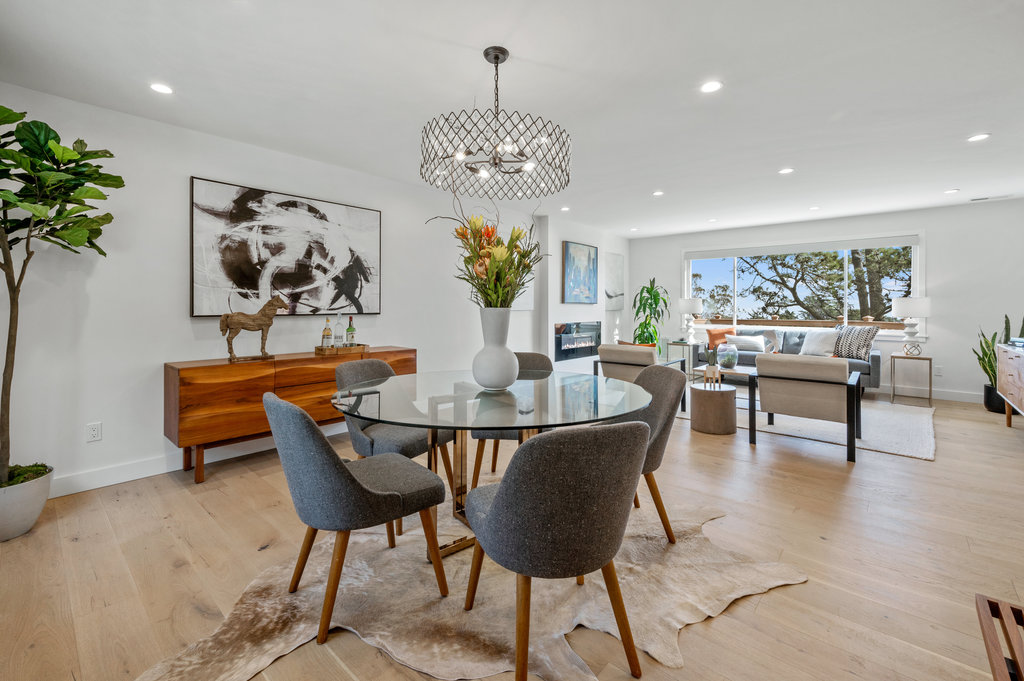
113,580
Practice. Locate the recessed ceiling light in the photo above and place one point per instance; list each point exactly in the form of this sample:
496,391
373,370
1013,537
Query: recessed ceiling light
979,137
161,88
633,229
713,220
951,191
711,86
565,209
814,208
785,171
658,193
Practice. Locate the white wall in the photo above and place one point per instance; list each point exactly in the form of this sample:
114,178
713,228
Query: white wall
972,273
556,230
95,332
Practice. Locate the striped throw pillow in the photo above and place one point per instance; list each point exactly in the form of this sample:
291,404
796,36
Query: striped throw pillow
854,342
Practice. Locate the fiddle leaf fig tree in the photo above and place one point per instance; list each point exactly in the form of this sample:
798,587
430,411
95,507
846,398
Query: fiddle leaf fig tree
45,194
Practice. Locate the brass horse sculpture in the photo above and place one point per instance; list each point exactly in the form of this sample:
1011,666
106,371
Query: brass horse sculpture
233,323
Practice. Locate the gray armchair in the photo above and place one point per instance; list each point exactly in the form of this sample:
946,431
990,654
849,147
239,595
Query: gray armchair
666,386
625,362
528,361
340,496
560,511
371,439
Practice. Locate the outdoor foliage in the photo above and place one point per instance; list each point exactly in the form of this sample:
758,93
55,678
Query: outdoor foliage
813,285
650,305
45,190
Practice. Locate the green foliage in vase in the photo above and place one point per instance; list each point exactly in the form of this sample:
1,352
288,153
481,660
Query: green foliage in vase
650,306
986,350
45,197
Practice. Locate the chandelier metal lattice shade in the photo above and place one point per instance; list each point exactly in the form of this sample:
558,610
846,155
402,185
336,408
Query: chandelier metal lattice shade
495,153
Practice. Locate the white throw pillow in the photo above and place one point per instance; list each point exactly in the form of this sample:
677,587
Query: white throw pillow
751,343
820,343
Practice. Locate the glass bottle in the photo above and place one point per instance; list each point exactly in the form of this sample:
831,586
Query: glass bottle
350,333
339,333
327,338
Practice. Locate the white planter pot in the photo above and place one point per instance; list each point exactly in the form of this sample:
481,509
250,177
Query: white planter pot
20,506
496,366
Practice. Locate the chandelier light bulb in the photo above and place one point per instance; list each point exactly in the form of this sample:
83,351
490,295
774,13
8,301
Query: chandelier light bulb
528,166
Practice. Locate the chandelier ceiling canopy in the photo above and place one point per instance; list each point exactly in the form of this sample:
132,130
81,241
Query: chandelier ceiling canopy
495,153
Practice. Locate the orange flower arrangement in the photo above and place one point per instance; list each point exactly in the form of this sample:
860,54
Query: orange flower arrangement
496,270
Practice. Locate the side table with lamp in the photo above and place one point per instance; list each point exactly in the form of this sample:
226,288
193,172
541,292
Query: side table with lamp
911,310
689,308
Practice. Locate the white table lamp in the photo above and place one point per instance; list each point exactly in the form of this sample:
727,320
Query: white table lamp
911,310
689,308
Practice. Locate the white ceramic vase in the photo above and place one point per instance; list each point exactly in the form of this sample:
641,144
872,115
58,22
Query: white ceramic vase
21,504
496,366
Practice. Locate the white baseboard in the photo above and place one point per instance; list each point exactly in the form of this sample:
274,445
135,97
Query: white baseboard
168,461
917,391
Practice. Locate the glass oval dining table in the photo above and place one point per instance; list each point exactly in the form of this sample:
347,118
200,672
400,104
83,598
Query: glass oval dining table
452,400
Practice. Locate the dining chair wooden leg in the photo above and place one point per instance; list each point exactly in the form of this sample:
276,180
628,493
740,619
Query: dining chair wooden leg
331,594
579,580
447,461
494,456
480,444
611,581
300,564
390,525
522,626
636,499
660,505
398,527
474,575
430,533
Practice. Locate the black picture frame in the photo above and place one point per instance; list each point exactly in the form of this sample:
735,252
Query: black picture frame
247,245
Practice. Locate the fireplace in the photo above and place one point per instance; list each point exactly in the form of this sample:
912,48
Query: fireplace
576,339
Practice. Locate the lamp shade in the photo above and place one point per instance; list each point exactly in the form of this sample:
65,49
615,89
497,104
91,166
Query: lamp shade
691,305
911,307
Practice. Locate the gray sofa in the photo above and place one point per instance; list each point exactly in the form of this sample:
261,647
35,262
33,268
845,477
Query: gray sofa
793,339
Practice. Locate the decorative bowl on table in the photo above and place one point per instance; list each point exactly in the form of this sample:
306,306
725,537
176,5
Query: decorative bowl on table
728,355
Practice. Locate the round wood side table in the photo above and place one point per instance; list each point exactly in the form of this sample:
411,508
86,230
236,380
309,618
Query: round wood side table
713,409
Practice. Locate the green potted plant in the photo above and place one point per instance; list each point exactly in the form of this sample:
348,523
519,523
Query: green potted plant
650,306
45,190
986,354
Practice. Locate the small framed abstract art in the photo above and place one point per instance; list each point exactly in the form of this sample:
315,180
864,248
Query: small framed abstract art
249,245
614,289
579,273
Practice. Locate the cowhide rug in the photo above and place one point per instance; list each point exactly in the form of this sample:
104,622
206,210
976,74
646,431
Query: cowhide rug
389,598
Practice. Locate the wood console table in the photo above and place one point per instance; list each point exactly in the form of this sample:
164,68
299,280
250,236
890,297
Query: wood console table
1010,379
214,402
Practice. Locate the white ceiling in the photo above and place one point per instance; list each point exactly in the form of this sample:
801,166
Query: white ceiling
869,100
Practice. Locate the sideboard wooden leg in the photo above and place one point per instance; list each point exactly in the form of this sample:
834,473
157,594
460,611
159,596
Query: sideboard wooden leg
186,458
1009,415
200,470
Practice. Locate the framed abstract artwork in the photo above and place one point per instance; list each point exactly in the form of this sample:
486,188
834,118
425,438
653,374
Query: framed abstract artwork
614,288
579,273
249,245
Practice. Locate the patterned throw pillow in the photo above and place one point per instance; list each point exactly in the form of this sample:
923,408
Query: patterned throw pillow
854,342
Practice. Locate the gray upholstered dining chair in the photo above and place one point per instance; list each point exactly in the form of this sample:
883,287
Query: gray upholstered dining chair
560,511
528,361
371,439
340,496
666,386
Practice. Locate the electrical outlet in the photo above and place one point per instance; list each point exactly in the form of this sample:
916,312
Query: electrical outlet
938,370
94,431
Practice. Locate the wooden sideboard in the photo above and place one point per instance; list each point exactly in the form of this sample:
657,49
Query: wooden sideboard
1010,379
214,402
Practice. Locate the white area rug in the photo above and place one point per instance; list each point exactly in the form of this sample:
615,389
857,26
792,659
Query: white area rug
888,428
389,598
